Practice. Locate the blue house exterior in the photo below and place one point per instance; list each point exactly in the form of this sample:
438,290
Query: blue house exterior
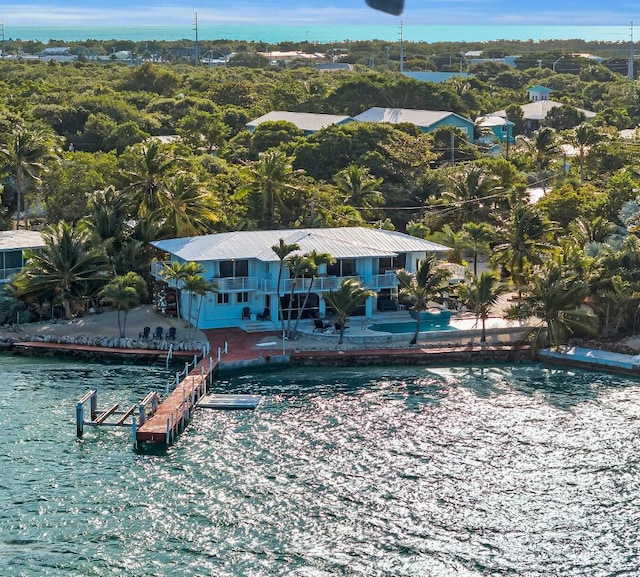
245,271
425,120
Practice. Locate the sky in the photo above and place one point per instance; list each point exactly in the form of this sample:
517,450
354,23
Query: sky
319,12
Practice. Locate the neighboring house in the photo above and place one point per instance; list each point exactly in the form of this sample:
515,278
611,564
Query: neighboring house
436,77
245,270
13,243
57,53
426,120
539,105
308,122
500,127
286,56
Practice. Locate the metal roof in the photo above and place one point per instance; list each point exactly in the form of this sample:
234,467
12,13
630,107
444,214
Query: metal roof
345,242
307,121
20,239
424,118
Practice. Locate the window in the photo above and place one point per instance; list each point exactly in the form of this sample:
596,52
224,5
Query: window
223,298
343,267
13,259
242,298
234,268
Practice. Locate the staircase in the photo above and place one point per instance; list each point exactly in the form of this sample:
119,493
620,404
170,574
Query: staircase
259,326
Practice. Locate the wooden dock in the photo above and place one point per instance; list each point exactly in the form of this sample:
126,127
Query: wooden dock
229,402
174,413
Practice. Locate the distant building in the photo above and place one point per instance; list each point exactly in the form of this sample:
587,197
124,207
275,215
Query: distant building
57,54
425,120
436,76
334,67
501,129
308,122
278,56
539,105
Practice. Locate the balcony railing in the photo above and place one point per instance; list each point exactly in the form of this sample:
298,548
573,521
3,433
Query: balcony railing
268,286
5,273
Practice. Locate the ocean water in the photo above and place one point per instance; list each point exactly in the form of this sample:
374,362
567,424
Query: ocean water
389,472
324,33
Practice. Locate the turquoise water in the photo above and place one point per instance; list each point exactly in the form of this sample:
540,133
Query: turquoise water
329,32
468,471
409,327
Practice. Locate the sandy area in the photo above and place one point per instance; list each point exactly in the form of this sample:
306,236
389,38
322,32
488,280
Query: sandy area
106,325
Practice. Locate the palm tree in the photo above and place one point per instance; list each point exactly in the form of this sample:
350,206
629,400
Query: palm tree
543,148
124,292
360,188
150,166
299,266
179,272
23,156
584,137
66,267
282,250
481,296
477,238
196,284
526,240
470,190
314,261
556,297
272,176
350,296
423,286
454,240
185,209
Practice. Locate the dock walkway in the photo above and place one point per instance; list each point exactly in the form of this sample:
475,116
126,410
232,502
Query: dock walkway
174,413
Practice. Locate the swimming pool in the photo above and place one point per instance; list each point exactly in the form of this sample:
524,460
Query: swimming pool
410,327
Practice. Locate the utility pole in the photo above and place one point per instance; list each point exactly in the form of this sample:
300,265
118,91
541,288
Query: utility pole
2,37
631,74
196,51
401,50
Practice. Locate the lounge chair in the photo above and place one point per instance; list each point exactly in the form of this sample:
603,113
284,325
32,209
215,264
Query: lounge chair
159,334
171,334
320,325
337,327
145,334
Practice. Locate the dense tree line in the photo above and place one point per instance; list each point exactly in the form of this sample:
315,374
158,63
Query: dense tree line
106,158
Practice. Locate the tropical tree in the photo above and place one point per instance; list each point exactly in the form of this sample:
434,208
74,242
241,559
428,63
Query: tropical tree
584,137
282,250
421,287
23,157
67,268
150,164
299,266
542,148
196,284
360,189
481,296
471,189
124,292
477,238
178,272
556,297
272,178
344,301
526,238
185,209
314,261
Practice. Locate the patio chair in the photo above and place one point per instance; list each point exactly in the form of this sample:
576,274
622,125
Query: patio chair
158,335
265,315
171,334
320,325
145,334
337,327
246,313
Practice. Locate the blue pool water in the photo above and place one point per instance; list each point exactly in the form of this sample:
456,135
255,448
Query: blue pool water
386,472
409,327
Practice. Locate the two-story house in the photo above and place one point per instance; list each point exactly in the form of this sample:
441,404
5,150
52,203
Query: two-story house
245,270
13,243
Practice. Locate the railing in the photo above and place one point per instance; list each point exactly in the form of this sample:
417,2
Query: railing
5,273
